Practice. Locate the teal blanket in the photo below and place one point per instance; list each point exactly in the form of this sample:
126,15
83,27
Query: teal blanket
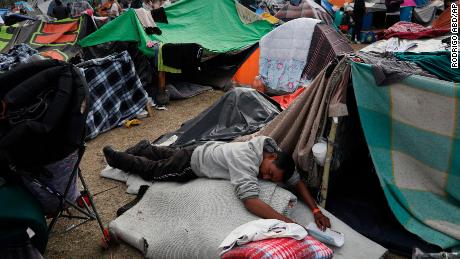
437,63
412,129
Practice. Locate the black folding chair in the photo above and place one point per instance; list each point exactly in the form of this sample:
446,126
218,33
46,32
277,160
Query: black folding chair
43,109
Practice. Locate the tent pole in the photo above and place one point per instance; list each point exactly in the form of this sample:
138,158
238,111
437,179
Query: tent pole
162,80
327,164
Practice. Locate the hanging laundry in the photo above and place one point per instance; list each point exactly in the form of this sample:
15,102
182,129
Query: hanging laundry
147,21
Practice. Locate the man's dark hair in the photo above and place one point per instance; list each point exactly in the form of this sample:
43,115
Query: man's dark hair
285,162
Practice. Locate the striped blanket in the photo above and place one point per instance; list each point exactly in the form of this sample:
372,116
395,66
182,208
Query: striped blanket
412,129
326,44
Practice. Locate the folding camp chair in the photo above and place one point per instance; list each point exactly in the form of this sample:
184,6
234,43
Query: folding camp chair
43,114
84,204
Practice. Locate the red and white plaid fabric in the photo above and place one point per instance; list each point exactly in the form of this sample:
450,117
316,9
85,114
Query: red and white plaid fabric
281,248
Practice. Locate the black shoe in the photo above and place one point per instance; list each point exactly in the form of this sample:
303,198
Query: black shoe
139,147
117,159
142,190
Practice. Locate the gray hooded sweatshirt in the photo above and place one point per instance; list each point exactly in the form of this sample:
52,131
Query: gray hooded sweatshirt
238,162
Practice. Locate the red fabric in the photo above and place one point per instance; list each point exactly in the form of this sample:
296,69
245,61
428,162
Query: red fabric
443,21
343,28
286,100
412,31
281,248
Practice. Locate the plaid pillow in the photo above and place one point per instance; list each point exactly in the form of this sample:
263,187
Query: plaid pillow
285,247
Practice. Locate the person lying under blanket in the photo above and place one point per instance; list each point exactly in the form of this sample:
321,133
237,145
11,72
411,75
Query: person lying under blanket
243,163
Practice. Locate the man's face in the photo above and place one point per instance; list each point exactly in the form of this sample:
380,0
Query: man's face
269,171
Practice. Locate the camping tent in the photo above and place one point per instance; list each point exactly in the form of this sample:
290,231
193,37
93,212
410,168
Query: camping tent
188,22
248,70
326,45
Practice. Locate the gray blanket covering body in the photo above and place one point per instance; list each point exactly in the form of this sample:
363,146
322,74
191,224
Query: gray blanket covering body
190,220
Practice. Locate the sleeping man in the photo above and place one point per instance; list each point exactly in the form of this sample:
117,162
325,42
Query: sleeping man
243,163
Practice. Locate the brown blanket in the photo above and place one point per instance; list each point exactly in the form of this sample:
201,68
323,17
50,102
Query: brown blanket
297,128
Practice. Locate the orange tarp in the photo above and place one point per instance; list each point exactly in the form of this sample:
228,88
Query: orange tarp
339,3
286,100
250,69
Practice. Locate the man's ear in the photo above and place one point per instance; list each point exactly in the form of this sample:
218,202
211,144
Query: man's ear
272,156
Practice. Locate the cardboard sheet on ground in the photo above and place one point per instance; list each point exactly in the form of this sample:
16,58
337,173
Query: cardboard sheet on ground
190,220
413,133
215,25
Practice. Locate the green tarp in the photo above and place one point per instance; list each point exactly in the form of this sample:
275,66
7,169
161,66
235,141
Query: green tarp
214,24
412,129
6,34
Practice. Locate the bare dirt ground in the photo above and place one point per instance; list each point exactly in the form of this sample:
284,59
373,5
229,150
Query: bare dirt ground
84,241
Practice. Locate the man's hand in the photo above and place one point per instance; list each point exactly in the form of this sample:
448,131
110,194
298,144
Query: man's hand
263,210
321,221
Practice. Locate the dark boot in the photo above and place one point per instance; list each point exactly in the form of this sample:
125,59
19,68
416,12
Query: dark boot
138,148
116,159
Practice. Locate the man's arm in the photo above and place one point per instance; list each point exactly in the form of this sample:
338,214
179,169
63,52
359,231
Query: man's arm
321,221
259,208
